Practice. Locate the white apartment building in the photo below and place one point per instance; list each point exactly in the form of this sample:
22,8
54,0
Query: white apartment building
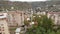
3,24
16,18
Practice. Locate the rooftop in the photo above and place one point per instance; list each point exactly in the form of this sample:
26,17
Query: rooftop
3,15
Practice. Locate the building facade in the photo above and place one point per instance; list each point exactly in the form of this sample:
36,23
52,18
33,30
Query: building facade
3,24
55,16
16,18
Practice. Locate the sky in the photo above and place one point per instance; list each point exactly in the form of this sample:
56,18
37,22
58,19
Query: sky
28,0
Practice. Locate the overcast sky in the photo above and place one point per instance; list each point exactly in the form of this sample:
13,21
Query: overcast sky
28,0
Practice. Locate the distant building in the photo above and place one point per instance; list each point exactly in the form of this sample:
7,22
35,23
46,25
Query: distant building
3,24
41,13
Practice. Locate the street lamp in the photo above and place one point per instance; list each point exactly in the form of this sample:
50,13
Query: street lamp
31,14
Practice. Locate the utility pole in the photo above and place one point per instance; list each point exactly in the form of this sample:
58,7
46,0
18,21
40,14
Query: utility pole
31,15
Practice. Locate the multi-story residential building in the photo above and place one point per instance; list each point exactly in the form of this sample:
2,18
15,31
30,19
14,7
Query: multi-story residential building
3,24
11,19
16,18
55,16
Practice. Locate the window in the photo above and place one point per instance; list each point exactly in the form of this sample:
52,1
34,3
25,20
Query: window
2,29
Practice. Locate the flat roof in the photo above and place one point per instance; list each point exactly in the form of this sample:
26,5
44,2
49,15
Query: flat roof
3,15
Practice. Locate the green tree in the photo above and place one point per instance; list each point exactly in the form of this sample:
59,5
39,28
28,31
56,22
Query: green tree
44,25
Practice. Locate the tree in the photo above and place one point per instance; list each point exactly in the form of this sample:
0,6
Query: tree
44,25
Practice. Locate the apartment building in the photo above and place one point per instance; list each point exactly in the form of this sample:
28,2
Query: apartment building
55,16
3,24
16,18
11,19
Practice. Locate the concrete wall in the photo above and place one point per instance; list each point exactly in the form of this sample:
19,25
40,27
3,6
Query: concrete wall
4,26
